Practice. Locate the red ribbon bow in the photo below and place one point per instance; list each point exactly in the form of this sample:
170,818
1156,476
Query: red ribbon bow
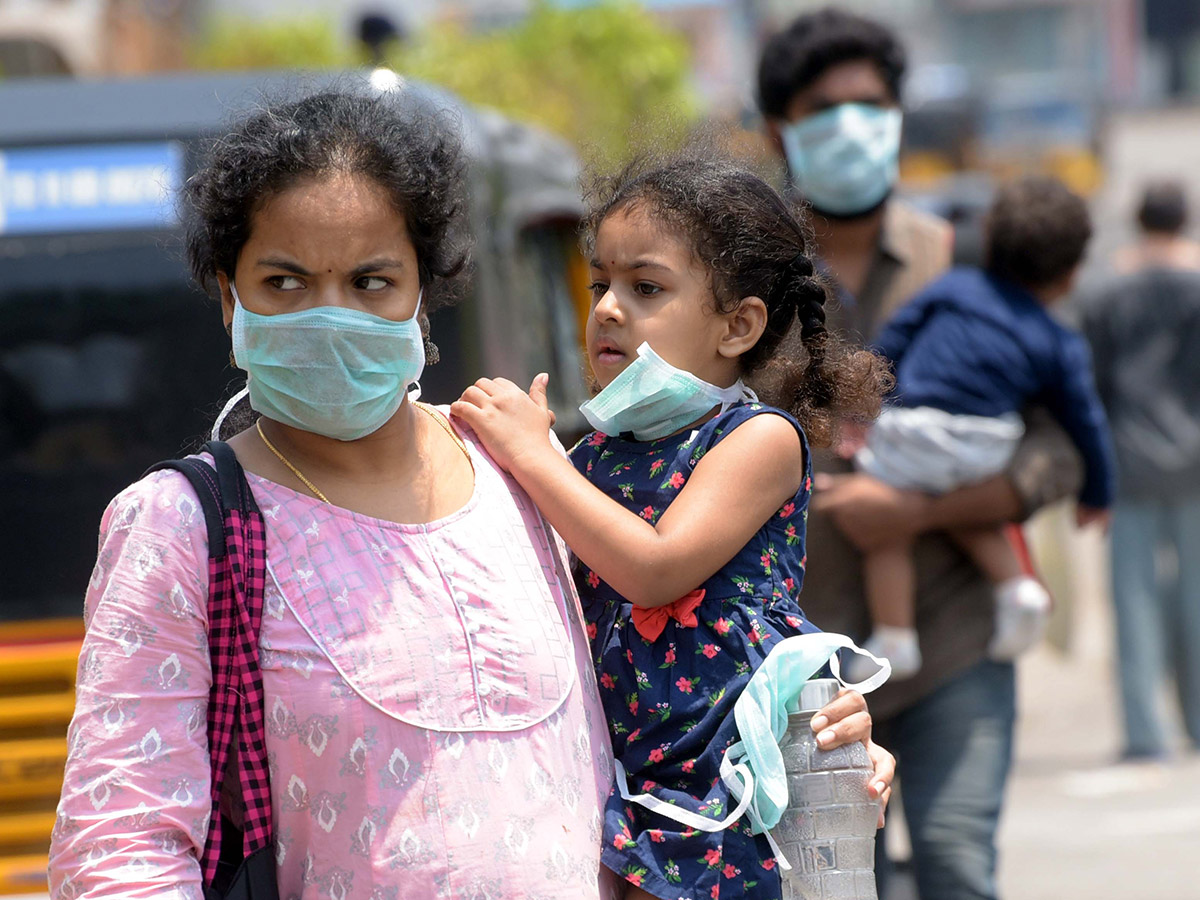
650,622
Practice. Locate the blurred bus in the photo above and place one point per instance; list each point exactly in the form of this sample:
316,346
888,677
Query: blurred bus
110,359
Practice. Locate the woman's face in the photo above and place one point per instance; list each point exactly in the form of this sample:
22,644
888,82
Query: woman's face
333,241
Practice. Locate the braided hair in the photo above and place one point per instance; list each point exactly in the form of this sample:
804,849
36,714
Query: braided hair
752,243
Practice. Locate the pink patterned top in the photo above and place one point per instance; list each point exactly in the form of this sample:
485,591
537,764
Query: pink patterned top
433,726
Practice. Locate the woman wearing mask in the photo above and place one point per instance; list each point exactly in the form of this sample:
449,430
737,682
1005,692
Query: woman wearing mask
432,722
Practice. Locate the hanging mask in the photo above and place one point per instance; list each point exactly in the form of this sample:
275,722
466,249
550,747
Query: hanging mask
341,373
651,398
844,160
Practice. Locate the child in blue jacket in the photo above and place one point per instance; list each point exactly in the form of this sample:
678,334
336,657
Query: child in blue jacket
970,352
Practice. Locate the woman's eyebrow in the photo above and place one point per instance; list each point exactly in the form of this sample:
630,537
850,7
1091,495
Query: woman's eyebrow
376,265
278,262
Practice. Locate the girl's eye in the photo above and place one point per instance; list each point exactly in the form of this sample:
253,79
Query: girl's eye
372,283
646,289
286,283
598,289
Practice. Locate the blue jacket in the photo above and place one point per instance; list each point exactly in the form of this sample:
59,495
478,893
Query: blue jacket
973,344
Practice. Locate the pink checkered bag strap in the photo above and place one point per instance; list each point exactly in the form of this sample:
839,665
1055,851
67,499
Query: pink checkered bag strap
237,578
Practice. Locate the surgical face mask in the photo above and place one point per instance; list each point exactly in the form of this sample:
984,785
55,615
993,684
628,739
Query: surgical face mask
844,160
651,398
337,372
753,767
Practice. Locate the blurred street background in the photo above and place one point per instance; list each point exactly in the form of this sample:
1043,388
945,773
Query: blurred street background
1104,94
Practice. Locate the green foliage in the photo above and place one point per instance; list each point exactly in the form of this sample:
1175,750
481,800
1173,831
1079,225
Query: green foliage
293,43
608,77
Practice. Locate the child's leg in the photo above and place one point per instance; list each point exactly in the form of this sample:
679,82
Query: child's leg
1022,604
890,581
990,550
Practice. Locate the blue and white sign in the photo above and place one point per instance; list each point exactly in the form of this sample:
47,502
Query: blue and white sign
89,187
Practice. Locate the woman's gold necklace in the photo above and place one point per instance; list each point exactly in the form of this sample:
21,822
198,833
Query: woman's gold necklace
317,491
283,459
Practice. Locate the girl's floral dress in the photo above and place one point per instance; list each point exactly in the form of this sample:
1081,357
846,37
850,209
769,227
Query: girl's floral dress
669,677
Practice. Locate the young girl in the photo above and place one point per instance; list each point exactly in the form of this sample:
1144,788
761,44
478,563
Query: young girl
686,507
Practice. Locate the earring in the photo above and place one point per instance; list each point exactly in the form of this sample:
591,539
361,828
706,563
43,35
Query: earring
432,355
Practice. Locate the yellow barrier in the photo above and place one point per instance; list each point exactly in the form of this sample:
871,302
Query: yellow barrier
36,709
30,770
19,828
23,874
38,661
30,663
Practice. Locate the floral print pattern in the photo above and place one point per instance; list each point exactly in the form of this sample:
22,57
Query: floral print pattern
669,701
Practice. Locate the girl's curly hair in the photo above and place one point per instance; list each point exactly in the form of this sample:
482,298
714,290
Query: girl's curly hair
412,151
753,244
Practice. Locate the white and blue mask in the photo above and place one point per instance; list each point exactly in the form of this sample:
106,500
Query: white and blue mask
844,160
341,373
652,399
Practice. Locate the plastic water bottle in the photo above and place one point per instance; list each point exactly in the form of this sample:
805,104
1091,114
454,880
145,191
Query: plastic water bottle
827,832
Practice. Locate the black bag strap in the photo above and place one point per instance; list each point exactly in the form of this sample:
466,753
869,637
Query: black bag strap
218,489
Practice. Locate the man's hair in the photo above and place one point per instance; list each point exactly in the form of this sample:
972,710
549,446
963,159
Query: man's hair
1037,231
797,56
1163,207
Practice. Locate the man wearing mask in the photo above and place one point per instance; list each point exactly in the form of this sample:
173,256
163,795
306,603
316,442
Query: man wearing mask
829,89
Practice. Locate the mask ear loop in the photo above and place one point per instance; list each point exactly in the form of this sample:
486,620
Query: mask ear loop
233,401
414,389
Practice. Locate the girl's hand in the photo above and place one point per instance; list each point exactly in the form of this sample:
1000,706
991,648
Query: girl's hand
845,720
511,423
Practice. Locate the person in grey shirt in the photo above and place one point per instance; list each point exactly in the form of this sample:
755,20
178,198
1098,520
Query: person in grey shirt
1144,329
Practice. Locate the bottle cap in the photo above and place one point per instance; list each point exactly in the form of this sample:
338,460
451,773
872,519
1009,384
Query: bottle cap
817,692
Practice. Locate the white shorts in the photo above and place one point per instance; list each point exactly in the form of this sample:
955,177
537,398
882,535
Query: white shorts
926,449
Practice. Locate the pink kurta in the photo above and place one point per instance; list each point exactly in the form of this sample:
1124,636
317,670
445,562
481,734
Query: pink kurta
433,726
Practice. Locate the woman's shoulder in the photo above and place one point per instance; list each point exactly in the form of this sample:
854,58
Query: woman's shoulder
161,500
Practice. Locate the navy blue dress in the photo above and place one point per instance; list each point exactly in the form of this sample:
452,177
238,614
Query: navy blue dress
669,698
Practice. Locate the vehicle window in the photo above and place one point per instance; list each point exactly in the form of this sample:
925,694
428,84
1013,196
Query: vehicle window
96,382
552,283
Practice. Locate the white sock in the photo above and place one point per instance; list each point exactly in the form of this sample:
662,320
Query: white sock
1022,610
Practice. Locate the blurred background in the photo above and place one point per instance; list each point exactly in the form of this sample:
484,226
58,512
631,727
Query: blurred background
109,360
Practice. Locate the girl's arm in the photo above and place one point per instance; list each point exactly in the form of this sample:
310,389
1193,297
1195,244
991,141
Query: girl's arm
733,490
135,800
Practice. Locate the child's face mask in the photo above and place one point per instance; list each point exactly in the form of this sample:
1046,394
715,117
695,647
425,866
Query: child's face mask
341,373
652,399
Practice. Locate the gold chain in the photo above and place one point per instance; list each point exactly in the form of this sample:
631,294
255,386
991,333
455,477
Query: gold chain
283,459
458,441
441,420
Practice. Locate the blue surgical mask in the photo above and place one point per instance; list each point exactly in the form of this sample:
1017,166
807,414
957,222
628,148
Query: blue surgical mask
337,372
844,160
652,399
752,768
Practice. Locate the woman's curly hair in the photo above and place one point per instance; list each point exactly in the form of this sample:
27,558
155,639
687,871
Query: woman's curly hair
753,244
413,152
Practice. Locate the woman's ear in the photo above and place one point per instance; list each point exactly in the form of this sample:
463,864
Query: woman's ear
775,136
223,285
743,327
